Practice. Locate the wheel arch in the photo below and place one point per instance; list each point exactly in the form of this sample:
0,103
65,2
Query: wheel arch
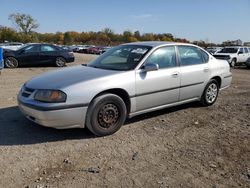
234,58
119,92
218,79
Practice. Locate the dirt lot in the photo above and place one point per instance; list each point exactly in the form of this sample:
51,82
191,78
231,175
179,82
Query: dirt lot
186,146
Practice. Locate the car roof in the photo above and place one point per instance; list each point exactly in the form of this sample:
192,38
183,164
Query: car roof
156,43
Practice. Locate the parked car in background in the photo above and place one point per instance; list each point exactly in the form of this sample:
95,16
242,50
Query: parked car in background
234,55
106,48
98,50
79,48
95,50
85,48
11,45
248,63
34,54
213,50
126,81
65,47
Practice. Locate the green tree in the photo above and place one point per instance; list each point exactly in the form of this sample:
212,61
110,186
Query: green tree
24,22
8,34
137,35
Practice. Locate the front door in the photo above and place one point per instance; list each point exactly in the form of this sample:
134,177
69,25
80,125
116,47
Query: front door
242,56
158,87
30,54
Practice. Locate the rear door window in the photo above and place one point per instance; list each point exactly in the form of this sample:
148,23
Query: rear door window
47,48
190,55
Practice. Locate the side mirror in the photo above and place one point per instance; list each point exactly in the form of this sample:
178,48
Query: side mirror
150,67
240,52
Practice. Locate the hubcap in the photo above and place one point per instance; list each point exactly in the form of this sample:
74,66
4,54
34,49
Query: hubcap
233,63
212,92
11,62
108,115
60,62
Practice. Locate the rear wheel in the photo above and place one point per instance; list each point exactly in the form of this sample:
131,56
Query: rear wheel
11,62
106,114
60,62
210,93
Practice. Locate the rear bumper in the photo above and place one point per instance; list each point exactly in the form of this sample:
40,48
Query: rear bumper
226,81
65,118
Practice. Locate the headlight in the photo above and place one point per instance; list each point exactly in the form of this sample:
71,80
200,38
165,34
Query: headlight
50,96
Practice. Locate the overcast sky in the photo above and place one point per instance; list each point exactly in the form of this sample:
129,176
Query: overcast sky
212,20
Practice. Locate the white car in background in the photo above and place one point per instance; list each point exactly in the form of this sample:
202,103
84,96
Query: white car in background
234,55
11,45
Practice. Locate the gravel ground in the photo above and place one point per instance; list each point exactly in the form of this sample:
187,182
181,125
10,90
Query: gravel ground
185,146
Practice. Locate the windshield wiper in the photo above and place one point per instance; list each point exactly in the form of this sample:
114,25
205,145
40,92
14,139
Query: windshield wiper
93,66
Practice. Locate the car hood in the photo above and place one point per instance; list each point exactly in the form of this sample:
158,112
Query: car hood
65,77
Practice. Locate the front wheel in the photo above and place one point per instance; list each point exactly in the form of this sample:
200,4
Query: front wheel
210,93
233,63
106,114
60,62
10,62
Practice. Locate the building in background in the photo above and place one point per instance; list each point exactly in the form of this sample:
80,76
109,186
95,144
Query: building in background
233,43
246,43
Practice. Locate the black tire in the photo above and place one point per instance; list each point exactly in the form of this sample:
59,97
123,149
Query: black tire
11,62
209,97
233,63
60,62
106,114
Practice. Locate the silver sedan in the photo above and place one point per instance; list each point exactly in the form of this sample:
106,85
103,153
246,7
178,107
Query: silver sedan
126,81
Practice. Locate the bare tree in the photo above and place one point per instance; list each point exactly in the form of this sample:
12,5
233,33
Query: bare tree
24,22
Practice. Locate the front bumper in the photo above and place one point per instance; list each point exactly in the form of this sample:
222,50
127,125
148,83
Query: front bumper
61,118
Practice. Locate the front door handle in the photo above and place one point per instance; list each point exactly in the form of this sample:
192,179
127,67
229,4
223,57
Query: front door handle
175,74
206,69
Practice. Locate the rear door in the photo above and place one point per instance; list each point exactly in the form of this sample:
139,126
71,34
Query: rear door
29,54
158,87
194,71
48,53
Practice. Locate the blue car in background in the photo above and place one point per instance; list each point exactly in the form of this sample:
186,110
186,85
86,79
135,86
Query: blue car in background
1,59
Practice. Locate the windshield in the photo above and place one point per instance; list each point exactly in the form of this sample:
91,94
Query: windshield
228,50
121,58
